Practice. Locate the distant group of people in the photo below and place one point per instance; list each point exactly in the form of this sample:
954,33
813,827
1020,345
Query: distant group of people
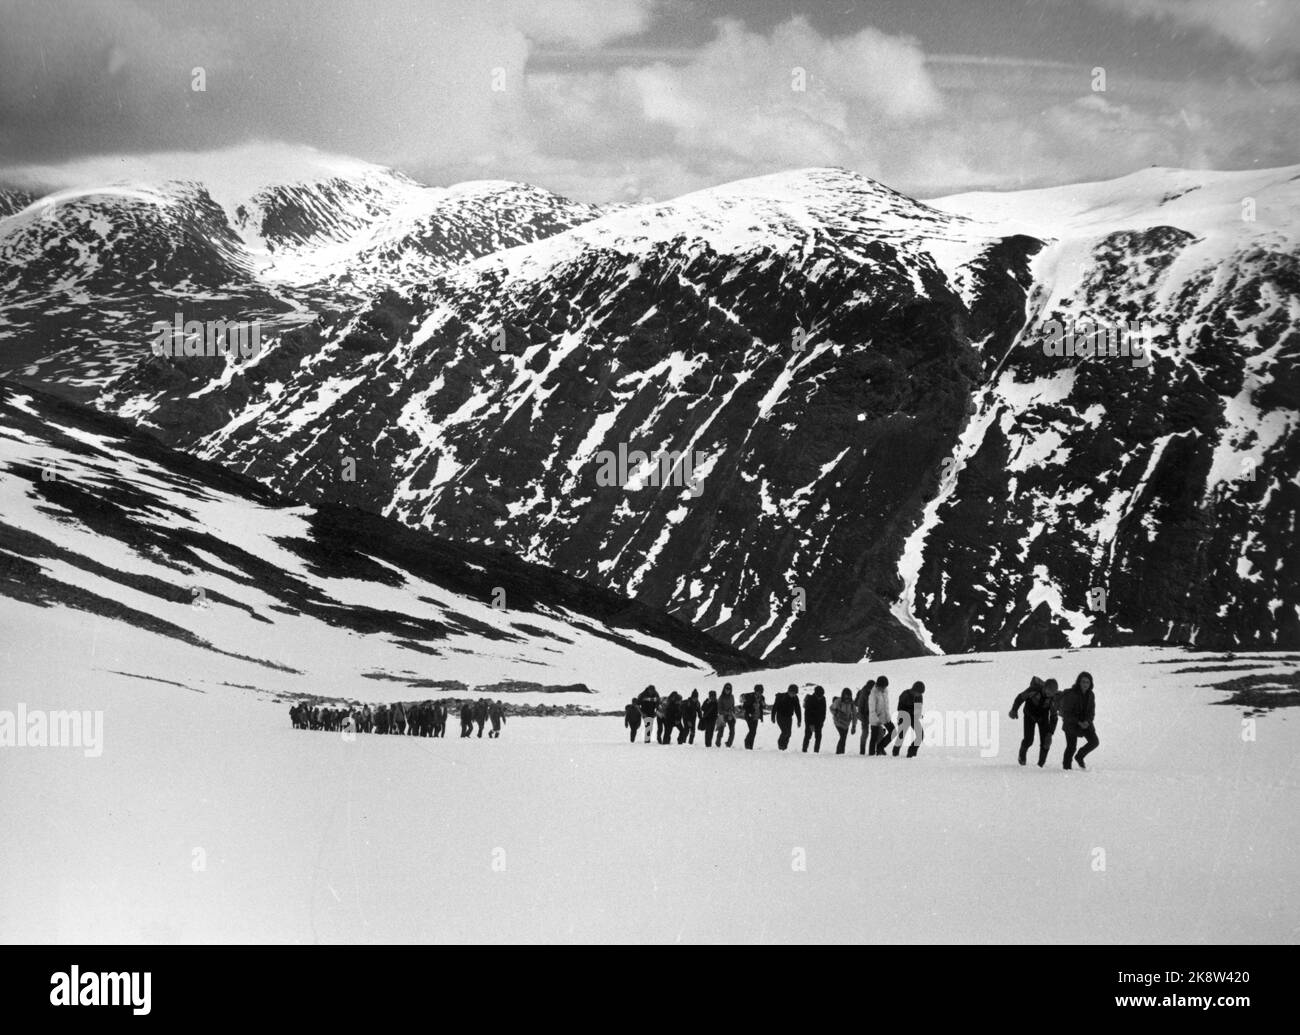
414,719
714,717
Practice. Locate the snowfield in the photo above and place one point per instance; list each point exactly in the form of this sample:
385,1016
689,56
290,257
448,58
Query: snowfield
208,818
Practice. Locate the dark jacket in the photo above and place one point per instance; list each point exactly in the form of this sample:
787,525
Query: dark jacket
787,705
752,706
673,710
1076,706
649,702
690,709
1038,703
907,702
814,709
632,715
709,711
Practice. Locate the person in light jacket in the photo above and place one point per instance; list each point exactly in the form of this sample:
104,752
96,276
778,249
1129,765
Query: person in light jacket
844,713
882,729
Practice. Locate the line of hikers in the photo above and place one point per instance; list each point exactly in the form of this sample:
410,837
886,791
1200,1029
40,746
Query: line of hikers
415,719
715,717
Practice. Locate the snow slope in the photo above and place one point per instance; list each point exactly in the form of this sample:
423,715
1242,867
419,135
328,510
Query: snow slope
231,586
563,832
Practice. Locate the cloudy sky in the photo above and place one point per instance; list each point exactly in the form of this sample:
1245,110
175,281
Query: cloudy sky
627,99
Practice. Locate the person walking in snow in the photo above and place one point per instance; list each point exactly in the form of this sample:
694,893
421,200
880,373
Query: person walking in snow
672,716
844,713
862,713
909,717
466,718
632,719
690,716
726,716
1039,703
882,729
785,708
754,710
497,716
814,718
1077,706
481,714
649,701
709,716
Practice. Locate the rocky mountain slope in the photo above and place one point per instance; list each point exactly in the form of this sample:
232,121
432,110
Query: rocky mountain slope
228,584
85,272
867,448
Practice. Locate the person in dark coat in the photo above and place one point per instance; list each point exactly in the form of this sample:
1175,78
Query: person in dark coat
910,708
726,716
814,718
1077,706
632,719
784,709
466,718
754,709
672,716
690,715
1039,703
709,716
862,705
481,714
844,713
497,716
649,701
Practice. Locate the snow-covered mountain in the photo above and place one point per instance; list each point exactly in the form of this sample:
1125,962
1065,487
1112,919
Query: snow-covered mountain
1115,499
880,456
795,333
224,584
100,263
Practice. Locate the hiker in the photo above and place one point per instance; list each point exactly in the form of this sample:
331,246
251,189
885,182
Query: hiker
726,717
709,716
466,718
909,717
497,715
632,719
1039,702
440,719
381,719
690,715
862,712
397,716
882,730
661,719
1077,705
672,716
814,718
844,713
753,709
481,714
367,719
784,708
649,700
